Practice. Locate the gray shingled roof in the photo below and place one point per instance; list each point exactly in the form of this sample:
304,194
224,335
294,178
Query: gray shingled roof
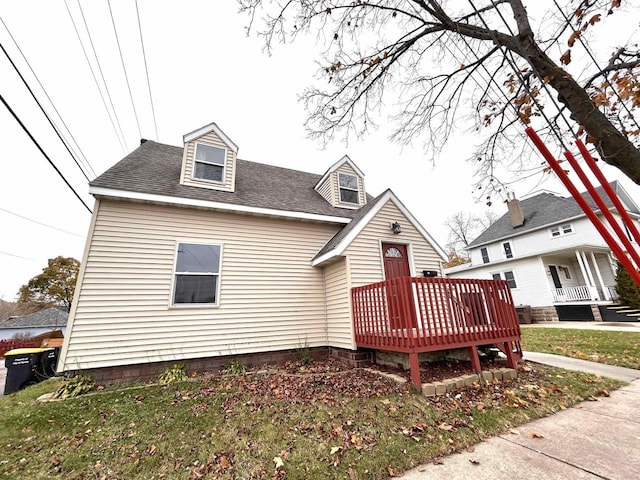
344,231
546,209
154,168
49,317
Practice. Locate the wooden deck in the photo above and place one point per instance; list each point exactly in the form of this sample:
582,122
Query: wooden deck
415,315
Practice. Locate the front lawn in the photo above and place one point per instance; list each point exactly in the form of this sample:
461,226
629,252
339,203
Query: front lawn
613,348
318,421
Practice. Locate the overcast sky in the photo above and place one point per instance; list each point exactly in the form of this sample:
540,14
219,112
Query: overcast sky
202,68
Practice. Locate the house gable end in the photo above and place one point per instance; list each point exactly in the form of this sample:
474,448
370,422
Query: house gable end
343,239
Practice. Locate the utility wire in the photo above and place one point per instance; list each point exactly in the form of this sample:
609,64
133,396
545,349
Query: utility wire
106,87
18,256
43,152
126,77
595,62
93,74
144,56
77,146
518,73
44,112
39,223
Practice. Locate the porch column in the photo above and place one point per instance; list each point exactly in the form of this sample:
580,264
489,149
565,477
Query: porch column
605,290
593,291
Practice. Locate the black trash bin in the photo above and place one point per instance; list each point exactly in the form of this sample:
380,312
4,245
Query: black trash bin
48,362
26,366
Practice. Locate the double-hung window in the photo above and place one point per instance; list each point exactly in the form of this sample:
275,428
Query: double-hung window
485,255
508,253
565,229
508,276
209,162
197,274
349,192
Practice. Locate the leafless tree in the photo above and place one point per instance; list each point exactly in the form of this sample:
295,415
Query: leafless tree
464,227
437,62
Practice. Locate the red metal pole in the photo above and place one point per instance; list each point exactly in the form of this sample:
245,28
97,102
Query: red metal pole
602,230
607,188
603,208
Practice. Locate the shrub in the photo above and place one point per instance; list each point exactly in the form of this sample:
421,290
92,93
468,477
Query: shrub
628,291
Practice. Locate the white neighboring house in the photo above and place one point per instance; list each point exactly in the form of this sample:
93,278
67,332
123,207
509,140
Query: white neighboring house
551,254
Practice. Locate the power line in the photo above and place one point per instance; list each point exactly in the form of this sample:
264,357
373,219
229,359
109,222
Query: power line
106,87
43,152
126,77
43,111
40,223
144,56
104,102
18,256
86,161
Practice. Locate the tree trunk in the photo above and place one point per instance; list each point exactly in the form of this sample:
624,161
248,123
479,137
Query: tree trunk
614,148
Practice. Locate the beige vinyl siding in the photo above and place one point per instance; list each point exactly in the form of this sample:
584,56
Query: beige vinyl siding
228,185
270,296
338,290
326,191
365,255
346,168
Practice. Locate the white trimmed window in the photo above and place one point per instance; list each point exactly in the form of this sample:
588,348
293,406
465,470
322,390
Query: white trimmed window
565,229
209,162
196,274
348,185
508,253
485,255
509,276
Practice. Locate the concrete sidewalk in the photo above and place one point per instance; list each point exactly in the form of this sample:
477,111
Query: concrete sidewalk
591,440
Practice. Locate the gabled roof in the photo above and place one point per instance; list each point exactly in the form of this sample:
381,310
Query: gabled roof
212,127
341,240
546,209
49,317
152,172
337,165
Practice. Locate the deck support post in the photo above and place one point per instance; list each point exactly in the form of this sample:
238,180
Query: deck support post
414,365
475,359
507,348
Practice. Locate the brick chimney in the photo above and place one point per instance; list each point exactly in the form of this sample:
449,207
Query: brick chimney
515,212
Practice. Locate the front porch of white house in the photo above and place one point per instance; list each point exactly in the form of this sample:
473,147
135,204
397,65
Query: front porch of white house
581,275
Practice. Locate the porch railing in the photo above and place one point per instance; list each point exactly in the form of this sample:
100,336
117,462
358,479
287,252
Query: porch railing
583,293
411,314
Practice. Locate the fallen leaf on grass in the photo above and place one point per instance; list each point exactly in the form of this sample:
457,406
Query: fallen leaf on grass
278,461
513,431
446,427
603,392
471,449
535,435
334,450
390,471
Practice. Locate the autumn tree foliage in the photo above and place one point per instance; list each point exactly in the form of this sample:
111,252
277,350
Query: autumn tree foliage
54,286
437,62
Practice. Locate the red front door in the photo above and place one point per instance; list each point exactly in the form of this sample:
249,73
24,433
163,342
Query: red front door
402,312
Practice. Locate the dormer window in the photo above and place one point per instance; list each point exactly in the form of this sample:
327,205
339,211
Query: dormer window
349,188
209,163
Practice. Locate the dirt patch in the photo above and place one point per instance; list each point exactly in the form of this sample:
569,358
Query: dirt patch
443,369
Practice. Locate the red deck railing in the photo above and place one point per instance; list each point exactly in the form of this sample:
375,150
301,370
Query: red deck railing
6,345
413,315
